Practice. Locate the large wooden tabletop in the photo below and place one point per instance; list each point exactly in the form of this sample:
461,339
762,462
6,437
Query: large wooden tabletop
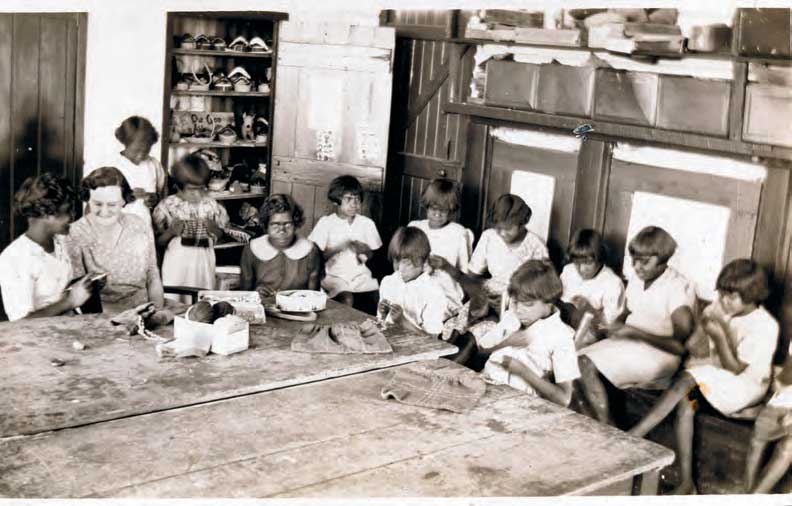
334,438
119,375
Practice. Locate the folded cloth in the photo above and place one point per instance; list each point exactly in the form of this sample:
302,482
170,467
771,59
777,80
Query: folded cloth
452,389
153,317
363,337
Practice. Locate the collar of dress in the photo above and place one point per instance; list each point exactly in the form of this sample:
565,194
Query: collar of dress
264,250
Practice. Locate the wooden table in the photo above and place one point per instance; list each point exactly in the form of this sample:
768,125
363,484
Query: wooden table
119,375
335,438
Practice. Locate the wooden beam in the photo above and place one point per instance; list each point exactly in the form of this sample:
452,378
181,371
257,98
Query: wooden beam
591,186
428,92
737,100
421,32
429,168
605,130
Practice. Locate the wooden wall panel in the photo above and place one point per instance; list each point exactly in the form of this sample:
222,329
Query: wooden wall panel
6,144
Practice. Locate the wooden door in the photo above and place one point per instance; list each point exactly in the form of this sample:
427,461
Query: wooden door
42,75
332,113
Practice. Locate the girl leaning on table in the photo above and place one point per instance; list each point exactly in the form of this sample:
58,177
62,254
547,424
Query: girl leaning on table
188,224
35,271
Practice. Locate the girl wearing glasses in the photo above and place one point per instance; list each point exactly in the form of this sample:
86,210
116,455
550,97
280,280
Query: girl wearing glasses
281,259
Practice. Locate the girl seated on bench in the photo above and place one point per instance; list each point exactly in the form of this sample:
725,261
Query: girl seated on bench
731,354
645,351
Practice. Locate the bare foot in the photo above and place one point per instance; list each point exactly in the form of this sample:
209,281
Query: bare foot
685,488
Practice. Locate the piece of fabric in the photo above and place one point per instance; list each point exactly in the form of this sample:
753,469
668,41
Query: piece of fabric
632,363
604,292
493,255
422,300
451,389
148,175
452,242
362,337
651,308
773,423
130,262
31,278
345,272
263,265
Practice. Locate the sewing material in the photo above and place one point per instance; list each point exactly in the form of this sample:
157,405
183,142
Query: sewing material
358,337
452,389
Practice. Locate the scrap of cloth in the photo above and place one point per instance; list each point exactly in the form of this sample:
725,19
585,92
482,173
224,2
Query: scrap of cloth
363,337
450,389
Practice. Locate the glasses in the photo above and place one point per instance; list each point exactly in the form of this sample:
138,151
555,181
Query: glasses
282,226
351,199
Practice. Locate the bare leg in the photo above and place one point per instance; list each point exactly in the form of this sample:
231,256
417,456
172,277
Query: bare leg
665,405
594,390
777,467
752,460
686,412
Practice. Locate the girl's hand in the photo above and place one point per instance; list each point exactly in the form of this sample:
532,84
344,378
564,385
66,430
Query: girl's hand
698,344
265,292
80,291
438,263
506,362
139,193
382,309
396,312
177,227
358,247
151,200
213,229
714,328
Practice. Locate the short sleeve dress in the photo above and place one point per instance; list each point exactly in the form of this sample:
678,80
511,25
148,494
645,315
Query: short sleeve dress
263,265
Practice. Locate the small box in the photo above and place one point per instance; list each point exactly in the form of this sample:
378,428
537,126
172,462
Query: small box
768,109
694,105
511,84
629,97
565,89
247,304
219,337
764,32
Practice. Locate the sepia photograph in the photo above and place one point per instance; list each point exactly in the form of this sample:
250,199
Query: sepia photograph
395,252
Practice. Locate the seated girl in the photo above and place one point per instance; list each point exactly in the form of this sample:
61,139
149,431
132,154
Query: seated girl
410,297
35,269
281,259
347,240
589,284
646,350
451,243
107,240
731,355
537,353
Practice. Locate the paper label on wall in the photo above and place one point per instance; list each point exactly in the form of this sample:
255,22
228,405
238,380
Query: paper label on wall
698,228
537,190
325,146
368,144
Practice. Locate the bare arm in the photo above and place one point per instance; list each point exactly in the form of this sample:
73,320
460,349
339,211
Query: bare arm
721,336
559,393
682,323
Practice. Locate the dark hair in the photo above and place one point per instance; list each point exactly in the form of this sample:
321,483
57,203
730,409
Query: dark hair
745,277
535,280
587,244
510,209
653,241
191,169
281,203
409,242
342,185
42,196
134,127
105,176
441,193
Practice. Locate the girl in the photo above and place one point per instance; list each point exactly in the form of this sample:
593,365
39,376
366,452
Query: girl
731,358
589,284
143,172
280,260
35,269
645,350
451,243
538,354
189,224
410,297
347,240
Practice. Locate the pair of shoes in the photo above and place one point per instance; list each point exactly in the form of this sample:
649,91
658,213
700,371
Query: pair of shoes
241,79
256,45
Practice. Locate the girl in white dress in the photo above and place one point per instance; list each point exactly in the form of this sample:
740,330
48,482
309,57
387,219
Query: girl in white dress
645,350
731,358
35,269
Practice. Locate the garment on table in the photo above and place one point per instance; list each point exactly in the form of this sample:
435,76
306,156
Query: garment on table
130,262
604,292
148,174
547,348
263,265
754,337
184,264
630,362
422,300
345,272
31,278
493,255
419,384
358,337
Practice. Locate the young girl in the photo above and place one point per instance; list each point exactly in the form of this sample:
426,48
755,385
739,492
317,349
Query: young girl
347,240
731,358
589,284
143,172
280,260
538,354
451,243
646,350
189,223
410,297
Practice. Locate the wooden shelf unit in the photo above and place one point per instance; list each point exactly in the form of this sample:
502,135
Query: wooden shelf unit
220,93
221,54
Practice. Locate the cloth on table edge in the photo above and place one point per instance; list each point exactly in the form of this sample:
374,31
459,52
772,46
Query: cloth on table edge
362,337
451,389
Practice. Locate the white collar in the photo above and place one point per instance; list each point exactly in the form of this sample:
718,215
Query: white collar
264,250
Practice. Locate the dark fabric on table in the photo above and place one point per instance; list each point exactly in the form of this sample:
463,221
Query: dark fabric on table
420,385
363,337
